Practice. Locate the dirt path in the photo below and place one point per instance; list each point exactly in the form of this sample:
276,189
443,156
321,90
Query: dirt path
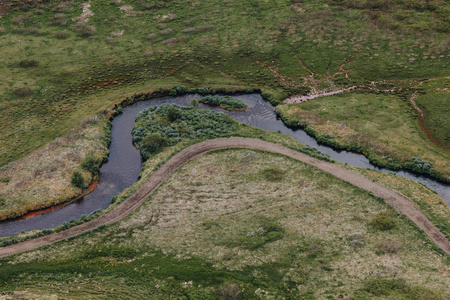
400,203
300,99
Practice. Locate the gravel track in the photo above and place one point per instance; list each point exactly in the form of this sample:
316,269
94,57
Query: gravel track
403,205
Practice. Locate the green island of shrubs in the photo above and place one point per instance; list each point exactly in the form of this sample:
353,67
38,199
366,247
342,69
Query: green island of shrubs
225,102
168,124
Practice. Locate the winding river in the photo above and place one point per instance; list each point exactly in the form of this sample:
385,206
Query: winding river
125,162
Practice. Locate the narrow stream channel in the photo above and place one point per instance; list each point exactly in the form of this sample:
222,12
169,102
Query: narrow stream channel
125,162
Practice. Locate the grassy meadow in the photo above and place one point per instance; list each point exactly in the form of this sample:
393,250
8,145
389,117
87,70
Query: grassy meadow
240,224
382,127
434,100
64,60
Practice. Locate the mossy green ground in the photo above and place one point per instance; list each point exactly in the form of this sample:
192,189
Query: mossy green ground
136,46
220,225
383,127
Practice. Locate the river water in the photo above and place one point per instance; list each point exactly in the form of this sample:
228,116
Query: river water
125,162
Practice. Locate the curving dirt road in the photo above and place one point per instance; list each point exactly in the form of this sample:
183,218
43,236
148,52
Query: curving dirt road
400,203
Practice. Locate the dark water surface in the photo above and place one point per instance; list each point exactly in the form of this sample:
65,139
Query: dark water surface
125,162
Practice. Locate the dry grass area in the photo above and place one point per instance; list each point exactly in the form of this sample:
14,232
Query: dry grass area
42,179
210,208
429,202
254,218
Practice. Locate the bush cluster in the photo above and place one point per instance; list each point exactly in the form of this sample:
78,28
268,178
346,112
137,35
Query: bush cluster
384,286
5,179
91,163
389,246
28,31
225,102
23,92
382,222
77,179
273,174
153,143
28,63
267,232
84,30
168,124
62,35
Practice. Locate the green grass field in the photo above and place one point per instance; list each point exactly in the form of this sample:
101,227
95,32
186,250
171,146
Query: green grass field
62,61
435,103
383,127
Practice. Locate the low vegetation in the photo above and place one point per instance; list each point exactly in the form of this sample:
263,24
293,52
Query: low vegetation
168,124
365,123
225,102
434,99
57,172
218,228
427,200
382,222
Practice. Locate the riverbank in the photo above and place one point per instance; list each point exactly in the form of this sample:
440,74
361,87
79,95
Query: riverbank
43,179
363,123
401,204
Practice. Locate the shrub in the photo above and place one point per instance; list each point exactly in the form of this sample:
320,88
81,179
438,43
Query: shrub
194,103
151,36
166,31
266,232
229,291
59,19
21,19
77,179
176,123
228,119
154,143
110,40
356,240
28,63
384,286
273,174
226,102
5,179
389,246
91,163
28,31
382,222
62,35
23,92
173,114
84,30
